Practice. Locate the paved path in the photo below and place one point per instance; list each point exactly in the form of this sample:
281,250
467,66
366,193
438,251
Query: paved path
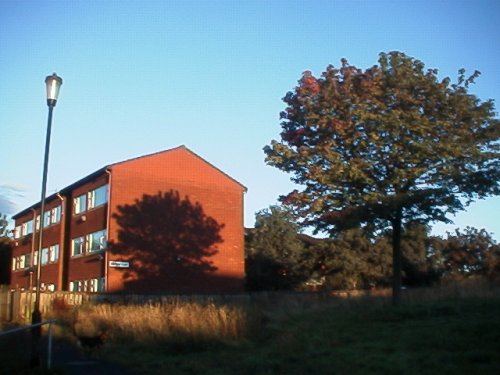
74,362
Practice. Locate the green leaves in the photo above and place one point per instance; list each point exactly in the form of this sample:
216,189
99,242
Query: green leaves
365,142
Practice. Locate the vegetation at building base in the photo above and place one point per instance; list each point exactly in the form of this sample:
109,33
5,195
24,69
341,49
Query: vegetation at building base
385,147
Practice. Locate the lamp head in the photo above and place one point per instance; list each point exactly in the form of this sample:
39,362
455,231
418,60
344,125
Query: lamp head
53,84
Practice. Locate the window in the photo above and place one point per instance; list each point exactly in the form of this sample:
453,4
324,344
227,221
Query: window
52,216
27,228
96,241
27,260
37,224
73,286
17,232
80,204
53,253
97,285
21,262
46,219
92,199
35,258
77,246
98,197
45,256
23,229
92,285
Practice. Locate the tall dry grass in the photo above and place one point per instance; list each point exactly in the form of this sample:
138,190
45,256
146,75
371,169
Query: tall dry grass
173,322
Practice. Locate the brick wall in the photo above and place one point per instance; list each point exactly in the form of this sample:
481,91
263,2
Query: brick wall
221,199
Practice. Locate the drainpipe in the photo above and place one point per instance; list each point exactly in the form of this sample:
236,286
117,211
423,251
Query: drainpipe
106,281
62,236
33,240
32,259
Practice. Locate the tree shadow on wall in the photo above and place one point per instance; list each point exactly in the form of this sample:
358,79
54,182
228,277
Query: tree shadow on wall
168,242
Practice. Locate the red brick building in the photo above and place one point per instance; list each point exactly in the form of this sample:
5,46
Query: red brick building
168,222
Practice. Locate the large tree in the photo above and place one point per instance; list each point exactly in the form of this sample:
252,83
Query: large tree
385,146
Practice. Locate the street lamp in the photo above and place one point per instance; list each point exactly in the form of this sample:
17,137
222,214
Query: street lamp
53,84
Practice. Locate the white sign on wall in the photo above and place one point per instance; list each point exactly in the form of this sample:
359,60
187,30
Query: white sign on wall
119,264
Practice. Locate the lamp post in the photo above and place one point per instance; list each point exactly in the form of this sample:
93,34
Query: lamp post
53,84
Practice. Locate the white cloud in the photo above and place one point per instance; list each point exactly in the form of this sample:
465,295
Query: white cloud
8,196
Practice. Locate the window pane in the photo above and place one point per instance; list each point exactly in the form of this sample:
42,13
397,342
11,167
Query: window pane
29,226
55,215
17,232
54,253
97,241
46,219
77,246
80,204
100,195
45,256
100,286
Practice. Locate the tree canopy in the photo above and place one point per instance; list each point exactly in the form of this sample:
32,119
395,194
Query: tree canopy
385,146
274,251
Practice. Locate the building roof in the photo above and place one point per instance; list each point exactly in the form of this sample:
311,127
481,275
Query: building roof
108,167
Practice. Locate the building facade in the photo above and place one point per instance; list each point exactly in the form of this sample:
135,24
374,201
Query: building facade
168,222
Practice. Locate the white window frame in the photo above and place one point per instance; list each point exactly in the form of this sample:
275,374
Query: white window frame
93,194
17,232
81,245
80,204
53,253
46,219
101,241
55,215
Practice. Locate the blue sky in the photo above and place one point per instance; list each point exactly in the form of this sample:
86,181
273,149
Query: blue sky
145,76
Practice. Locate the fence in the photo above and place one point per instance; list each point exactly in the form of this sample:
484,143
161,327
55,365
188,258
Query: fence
35,349
17,305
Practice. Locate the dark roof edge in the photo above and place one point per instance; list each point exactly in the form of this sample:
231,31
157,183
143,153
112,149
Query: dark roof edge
62,191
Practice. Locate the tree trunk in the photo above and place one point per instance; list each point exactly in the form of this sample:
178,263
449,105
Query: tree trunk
396,258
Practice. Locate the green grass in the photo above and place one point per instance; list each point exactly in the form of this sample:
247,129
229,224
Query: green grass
433,332
460,336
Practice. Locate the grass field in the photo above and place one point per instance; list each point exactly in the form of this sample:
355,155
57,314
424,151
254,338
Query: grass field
440,331
449,337
433,332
